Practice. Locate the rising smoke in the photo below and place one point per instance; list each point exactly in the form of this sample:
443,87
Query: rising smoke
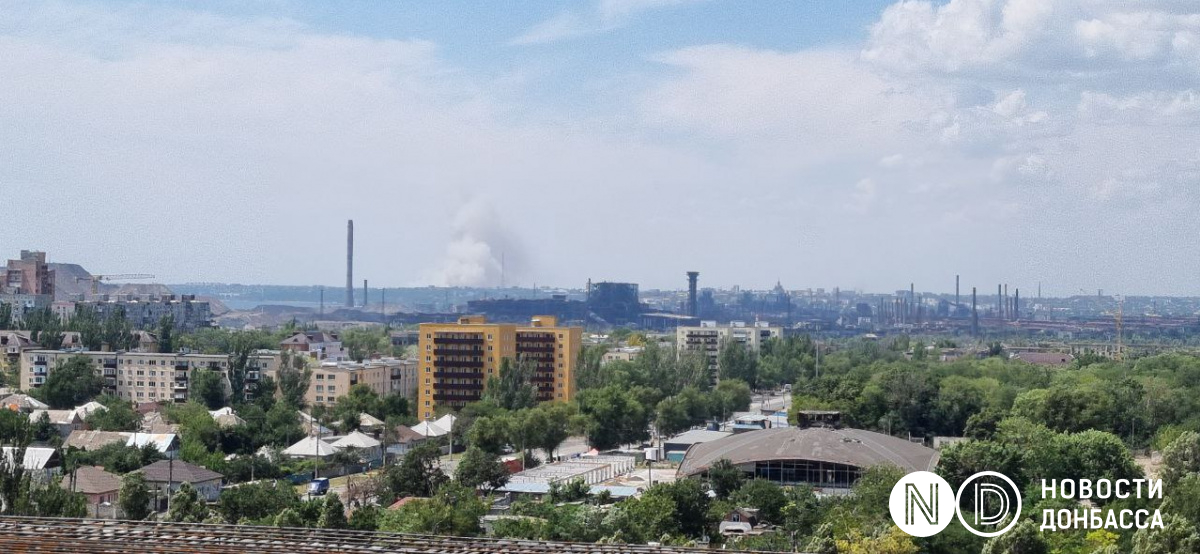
479,250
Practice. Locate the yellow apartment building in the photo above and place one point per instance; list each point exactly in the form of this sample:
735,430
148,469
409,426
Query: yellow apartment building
456,359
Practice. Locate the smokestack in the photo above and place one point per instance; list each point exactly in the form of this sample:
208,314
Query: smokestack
1017,304
974,314
956,293
1000,301
364,304
322,312
1007,306
691,302
350,263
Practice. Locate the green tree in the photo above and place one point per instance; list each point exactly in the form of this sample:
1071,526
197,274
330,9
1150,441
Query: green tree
365,518
71,383
481,470
735,361
1023,539
614,416
513,389
724,478
1181,458
208,387
731,395
118,415
256,501
166,334
333,514
289,518
1177,536
417,474
764,495
366,341
134,497
293,378
455,510
671,416
186,506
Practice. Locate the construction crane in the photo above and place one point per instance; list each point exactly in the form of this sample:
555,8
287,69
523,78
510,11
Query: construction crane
95,279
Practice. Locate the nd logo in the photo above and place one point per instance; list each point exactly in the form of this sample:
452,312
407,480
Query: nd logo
922,503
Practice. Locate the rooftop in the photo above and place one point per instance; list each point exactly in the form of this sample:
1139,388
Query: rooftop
844,446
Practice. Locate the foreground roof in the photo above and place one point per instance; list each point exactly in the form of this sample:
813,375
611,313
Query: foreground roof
179,472
844,446
77,535
93,480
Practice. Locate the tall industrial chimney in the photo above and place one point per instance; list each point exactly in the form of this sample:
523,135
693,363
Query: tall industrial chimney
350,263
691,302
974,314
956,293
1017,305
365,289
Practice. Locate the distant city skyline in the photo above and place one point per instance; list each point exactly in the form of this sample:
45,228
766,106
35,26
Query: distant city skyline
863,145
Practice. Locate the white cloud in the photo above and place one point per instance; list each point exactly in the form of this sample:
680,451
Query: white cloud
601,16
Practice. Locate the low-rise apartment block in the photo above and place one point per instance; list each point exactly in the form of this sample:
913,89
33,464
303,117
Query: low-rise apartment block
456,359
144,376
332,380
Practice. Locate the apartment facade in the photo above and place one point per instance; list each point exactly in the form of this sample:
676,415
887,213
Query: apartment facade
144,376
456,359
332,380
709,338
188,313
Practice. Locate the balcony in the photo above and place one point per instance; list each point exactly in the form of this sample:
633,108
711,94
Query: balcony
181,366
253,376
110,363
458,374
39,370
535,349
180,397
460,397
457,386
458,351
181,375
448,340
180,386
110,372
458,363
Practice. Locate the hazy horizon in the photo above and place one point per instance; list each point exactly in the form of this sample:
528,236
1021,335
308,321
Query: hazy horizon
821,144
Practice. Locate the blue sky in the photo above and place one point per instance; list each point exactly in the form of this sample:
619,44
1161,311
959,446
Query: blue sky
856,144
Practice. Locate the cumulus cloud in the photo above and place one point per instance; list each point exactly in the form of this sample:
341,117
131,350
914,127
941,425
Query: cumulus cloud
600,16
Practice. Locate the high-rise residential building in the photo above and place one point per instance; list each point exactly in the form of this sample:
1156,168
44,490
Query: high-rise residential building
188,313
144,376
27,284
709,338
456,359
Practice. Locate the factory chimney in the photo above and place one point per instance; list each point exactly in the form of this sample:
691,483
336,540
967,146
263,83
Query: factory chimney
691,301
364,304
350,264
974,315
956,293
1017,305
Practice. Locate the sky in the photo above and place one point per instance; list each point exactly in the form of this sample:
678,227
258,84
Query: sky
819,143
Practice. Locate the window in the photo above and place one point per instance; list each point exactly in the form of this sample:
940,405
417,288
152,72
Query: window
332,388
320,399
320,388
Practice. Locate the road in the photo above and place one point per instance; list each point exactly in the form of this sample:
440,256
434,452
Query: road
773,400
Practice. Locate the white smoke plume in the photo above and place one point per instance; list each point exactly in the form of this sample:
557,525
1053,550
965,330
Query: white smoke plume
480,249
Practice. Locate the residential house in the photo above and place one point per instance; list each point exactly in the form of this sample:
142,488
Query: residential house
65,421
100,487
361,445
41,463
166,476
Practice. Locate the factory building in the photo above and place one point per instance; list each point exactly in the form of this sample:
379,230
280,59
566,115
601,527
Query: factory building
456,359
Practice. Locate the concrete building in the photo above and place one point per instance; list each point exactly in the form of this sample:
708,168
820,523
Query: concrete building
166,476
318,345
145,312
28,275
99,486
621,354
456,359
709,338
332,380
144,376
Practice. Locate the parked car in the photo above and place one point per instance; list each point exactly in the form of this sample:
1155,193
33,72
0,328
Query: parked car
318,487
